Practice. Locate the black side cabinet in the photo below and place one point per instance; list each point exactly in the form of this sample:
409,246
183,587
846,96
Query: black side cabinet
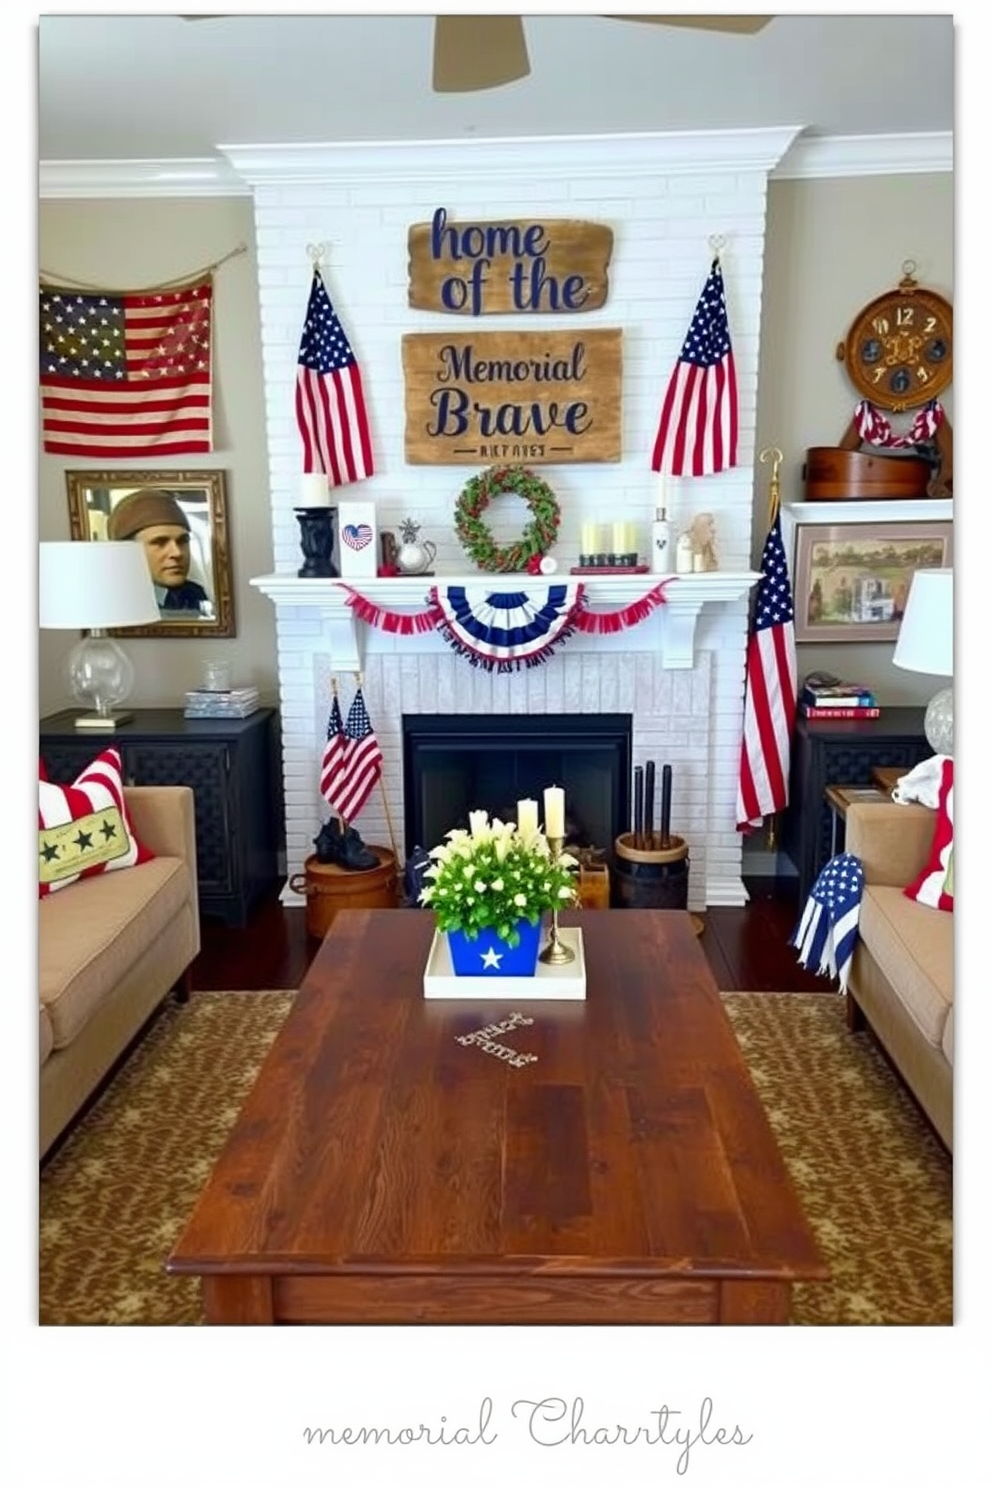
840,751
232,767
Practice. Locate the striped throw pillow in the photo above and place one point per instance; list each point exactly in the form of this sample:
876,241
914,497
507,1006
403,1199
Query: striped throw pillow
84,828
935,885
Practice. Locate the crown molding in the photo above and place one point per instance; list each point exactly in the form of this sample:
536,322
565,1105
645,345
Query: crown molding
68,179
811,158
612,156
784,153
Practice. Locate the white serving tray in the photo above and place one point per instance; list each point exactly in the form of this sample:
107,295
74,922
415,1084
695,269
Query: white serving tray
549,983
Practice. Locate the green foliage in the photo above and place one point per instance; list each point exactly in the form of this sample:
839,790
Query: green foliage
493,877
538,535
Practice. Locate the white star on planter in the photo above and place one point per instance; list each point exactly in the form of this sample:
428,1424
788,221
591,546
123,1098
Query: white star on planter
492,958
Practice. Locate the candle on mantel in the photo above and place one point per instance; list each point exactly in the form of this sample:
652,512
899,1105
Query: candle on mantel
554,811
527,818
619,538
590,538
314,489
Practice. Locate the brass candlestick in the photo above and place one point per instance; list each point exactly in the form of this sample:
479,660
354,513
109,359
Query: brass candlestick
556,953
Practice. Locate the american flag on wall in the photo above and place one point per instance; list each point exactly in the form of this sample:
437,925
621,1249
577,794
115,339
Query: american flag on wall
352,762
125,376
770,690
697,430
330,402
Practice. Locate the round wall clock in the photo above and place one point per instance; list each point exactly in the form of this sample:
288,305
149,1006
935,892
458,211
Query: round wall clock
899,350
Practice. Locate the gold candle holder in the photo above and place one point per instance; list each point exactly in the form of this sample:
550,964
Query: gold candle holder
556,953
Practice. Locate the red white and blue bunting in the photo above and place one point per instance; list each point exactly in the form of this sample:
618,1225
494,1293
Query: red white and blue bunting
502,630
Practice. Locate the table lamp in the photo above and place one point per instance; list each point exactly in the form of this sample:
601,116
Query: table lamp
92,586
925,643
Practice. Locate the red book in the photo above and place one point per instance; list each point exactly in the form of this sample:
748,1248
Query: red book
810,712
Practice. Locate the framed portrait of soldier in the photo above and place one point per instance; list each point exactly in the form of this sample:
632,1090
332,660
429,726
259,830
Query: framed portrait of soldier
180,519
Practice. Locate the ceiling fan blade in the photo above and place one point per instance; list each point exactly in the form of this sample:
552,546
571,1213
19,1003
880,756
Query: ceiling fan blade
744,25
478,51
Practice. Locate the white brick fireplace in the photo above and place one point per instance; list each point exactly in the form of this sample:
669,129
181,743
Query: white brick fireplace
680,672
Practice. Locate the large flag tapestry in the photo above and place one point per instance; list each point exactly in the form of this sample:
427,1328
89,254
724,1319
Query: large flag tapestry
126,376
330,401
697,430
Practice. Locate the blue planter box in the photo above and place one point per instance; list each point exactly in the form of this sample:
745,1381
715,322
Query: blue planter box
488,956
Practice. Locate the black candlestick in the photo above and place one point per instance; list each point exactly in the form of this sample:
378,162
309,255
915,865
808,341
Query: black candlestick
666,804
317,541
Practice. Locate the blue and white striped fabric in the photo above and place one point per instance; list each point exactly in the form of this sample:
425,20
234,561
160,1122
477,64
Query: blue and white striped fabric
505,631
828,930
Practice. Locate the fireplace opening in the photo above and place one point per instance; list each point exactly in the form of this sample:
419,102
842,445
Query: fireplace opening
454,764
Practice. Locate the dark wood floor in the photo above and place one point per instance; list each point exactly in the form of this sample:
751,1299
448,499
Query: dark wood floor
748,948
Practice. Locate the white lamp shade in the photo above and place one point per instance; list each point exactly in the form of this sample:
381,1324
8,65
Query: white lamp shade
926,637
94,586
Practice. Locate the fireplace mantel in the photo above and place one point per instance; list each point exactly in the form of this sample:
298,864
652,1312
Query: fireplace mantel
685,596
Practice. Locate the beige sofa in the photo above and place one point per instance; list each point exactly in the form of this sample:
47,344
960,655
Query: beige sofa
902,974
109,950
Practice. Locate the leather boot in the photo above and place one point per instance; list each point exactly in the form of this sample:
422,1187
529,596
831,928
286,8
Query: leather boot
328,842
353,854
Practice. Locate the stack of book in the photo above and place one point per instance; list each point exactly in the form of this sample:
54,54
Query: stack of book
826,696
236,702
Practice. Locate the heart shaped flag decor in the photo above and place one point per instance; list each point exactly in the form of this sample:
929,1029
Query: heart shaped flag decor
357,536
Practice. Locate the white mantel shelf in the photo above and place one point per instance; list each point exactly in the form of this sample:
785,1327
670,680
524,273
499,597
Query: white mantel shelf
685,596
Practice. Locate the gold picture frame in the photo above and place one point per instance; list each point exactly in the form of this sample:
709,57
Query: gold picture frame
852,578
197,602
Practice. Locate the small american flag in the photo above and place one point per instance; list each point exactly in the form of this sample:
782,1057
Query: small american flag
697,431
770,690
333,750
330,403
126,375
352,760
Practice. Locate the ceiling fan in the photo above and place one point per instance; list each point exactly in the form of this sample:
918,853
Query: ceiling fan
487,51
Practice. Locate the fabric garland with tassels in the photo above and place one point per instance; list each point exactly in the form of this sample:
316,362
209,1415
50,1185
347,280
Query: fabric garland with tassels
504,631
828,927
596,622
394,621
507,630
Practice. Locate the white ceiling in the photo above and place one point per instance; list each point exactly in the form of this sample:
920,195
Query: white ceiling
158,87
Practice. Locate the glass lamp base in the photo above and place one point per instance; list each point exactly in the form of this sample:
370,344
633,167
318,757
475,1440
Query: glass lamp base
938,723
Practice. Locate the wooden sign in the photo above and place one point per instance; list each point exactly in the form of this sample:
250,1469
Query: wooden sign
556,267
546,397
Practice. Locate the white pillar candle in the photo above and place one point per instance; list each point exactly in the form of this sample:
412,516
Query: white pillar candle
590,537
314,489
554,811
527,818
619,537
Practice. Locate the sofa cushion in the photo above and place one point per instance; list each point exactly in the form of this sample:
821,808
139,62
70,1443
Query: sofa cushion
947,1042
84,828
935,885
914,949
91,937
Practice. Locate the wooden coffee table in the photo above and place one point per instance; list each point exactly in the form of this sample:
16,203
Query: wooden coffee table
381,1171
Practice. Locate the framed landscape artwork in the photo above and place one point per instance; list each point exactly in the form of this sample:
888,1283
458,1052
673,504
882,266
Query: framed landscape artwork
180,518
851,579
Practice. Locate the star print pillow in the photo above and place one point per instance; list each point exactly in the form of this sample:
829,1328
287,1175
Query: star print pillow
84,828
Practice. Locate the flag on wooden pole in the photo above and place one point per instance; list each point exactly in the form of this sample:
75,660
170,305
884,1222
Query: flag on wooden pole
126,376
697,431
352,762
770,690
330,402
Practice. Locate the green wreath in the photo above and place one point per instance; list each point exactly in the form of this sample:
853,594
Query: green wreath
538,535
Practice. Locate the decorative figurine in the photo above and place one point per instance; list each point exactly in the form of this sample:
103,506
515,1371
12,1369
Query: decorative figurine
702,536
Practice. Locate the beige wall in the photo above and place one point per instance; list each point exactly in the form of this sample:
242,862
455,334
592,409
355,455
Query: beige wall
832,247
134,244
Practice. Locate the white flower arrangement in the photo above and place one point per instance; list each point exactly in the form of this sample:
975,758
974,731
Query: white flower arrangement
493,876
